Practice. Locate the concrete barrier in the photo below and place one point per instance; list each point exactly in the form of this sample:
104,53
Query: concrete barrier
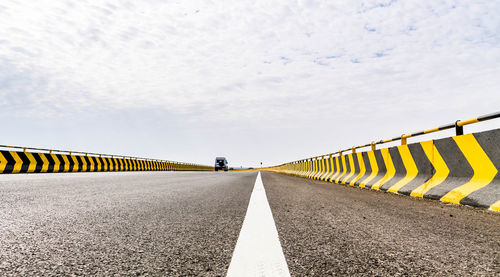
461,169
36,162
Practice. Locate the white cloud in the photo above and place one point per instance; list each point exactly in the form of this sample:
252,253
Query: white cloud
254,61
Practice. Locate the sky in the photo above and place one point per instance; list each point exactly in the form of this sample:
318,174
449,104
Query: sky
254,81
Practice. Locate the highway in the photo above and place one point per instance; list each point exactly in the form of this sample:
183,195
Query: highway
188,223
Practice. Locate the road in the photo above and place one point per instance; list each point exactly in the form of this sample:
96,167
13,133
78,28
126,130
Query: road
329,229
187,224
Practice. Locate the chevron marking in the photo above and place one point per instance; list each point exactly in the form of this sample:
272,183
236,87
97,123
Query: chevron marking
362,169
484,169
3,163
32,165
391,171
411,169
439,165
19,162
56,162
374,167
343,169
351,165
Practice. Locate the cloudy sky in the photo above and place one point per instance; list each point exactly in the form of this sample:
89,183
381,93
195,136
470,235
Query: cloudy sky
269,81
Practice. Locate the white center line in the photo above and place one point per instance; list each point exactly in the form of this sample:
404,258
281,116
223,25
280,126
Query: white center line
258,250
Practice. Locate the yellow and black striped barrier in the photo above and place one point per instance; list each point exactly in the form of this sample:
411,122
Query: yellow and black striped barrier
463,169
51,162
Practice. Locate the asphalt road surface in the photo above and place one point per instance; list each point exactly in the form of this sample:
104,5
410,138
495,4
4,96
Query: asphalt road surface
133,223
187,224
336,230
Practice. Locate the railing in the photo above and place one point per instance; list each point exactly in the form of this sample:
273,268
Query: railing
458,125
50,151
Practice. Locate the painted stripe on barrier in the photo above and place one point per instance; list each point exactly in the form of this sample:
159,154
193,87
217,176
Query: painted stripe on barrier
439,165
323,169
97,164
32,162
411,169
104,165
488,195
356,169
310,168
331,170
399,169
75,164
362,169
121,167
17,162
495,206
91,165
10,162
24,162
318,169
484,170
342,159
3,162
379,160
314,166
328,169
57,163
85,163
48,162
390,171
115,165
45,163
351,168
374,169
337,169
39,163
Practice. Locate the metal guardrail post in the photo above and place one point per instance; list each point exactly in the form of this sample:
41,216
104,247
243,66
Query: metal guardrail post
459,129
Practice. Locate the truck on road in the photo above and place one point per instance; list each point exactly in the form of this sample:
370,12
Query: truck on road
221,164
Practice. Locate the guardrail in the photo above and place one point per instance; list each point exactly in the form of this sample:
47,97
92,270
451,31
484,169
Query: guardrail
458,125
41,160
462,169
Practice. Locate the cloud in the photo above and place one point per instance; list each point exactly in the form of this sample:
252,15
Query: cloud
173,55
267,62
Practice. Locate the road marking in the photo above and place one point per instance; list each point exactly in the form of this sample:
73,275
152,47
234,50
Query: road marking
258,250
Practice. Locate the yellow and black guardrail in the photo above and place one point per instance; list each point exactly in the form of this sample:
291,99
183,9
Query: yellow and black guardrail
463,169
39,160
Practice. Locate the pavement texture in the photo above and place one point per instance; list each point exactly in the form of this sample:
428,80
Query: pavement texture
335,230
121,223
